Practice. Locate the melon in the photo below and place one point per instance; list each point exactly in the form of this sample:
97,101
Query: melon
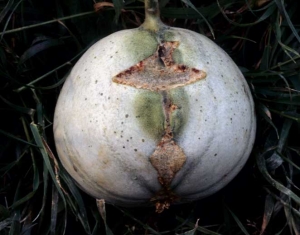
154,115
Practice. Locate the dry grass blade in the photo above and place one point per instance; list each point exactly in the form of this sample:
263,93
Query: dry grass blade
39,140
191,232
266,114
269,207
100,5
102,211
56,166
262,167
199,228
260,3
270,10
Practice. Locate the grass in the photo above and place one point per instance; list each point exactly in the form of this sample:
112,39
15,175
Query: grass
39,43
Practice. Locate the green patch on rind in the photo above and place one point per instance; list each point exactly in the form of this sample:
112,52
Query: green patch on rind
136,42
149,113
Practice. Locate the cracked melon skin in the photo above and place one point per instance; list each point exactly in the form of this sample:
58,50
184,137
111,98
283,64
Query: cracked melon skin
106,132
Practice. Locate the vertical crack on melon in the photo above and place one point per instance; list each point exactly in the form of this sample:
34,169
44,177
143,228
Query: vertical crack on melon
159,72
168,158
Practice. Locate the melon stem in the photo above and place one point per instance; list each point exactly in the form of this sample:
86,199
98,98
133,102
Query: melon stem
152,16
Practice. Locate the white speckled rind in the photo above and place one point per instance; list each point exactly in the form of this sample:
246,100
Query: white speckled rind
106,150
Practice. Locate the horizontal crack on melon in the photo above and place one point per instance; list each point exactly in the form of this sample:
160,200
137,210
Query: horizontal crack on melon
159,72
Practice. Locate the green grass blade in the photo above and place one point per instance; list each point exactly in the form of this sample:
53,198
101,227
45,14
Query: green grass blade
82,214
118,5
289,161
39,141
97,217
54,210
11,165
191,232
35,49
163,3
289,218
8,20
6,9
190,4
36,178
200,228
281,231
41,213
209,12
18,108
295,211
239,223
15,228
294,100
29,85
291,115
46,22
5,223
4,213
284,134
265,60
23,200
147,227
262,167
58,84
280,4
16,138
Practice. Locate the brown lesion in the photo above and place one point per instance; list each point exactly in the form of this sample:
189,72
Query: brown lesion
159,72
168,158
